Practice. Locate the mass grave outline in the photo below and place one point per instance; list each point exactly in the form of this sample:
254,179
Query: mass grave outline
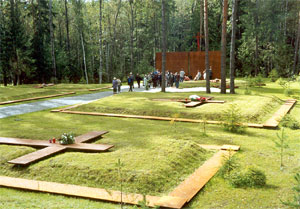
176,199
53,148
191,103
272,123
35,98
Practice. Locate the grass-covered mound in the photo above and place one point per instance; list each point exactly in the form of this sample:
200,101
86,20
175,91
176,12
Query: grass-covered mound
255,109
9,93
129,136
151,163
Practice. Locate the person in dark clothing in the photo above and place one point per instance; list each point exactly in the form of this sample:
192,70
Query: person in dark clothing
177,79
155,79
159,78
132,77
115,85
130,82
138,79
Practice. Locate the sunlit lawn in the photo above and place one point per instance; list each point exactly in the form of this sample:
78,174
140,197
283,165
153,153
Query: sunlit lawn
157,155
255,109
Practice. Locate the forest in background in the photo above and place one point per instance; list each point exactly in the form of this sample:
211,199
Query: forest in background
92,41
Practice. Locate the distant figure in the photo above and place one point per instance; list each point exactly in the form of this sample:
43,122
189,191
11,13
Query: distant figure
177,79
171,79
132,77
119,85
115,85
146,84
138,79
210,73
198,76
182,73
204,74
130,82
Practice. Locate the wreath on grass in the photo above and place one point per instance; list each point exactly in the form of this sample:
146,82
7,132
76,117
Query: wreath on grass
67,139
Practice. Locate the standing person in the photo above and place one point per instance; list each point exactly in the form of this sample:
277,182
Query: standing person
210,73
177,79
155,80
114,85
132,78
138,79
130,82
198,76
119,85
182,73
159,79
172,79
204,74
146,84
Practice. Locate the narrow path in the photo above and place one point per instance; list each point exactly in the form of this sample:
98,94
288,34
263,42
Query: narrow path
54,103
48,104
64,101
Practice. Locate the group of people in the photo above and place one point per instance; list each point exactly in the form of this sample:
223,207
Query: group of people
154,79
116,84
198,76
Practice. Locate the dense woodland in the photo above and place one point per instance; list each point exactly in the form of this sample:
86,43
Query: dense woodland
92,41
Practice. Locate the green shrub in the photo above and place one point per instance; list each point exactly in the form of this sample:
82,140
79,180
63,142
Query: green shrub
230,164
67,139
288,92
273,75
255,81
251,177
247,91
233,119
296,202
289,121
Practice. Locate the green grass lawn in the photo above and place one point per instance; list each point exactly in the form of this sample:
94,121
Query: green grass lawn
157,161
157,155
9,93
255,109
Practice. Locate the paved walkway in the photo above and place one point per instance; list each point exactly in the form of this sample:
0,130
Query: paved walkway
52,103
86,98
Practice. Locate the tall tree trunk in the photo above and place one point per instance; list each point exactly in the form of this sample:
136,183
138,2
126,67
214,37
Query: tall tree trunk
84,59
13,55
164,44
131,36
206,47
100,42
223,47
68,33
285,16
256,39
52,40
1,33
232,50
201,22
107,60
296,47
114,50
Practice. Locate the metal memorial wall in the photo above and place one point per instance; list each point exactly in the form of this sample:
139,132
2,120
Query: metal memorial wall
190,62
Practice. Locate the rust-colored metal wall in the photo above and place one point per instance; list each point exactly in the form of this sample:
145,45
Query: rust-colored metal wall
191,62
